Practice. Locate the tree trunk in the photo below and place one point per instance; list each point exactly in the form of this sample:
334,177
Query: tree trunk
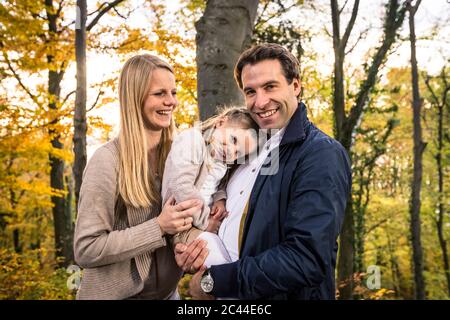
223,32
63,246
440,103
440,204
419,147
346,254
80,126
345,125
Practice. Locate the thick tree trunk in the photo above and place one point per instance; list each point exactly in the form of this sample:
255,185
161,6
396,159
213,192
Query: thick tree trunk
419,147
223,32
80,126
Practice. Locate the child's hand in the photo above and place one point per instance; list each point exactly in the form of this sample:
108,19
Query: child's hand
219,210
218,213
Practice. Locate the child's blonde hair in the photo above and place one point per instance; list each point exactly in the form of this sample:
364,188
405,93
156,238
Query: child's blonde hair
239,116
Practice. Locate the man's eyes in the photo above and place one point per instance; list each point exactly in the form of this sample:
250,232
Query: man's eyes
267,87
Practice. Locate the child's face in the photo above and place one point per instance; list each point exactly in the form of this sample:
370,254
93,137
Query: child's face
230,142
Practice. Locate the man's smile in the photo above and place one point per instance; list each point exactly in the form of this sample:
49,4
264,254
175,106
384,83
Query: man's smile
267,113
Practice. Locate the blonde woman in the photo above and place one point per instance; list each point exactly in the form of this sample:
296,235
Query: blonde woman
121,229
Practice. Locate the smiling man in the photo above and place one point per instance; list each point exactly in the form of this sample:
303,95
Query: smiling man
282,228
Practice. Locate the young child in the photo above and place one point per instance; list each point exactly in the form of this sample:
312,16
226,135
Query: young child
196,168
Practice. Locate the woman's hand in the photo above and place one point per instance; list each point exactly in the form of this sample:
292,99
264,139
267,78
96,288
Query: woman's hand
175,218
218,213
192,257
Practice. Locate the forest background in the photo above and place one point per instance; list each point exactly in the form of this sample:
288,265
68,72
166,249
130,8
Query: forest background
375,76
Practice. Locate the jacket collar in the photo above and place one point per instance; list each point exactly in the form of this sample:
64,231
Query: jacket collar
297,126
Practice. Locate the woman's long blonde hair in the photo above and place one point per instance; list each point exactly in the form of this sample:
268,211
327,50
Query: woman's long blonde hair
137,186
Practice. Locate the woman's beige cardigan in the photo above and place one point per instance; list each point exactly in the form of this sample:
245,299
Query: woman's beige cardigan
113,243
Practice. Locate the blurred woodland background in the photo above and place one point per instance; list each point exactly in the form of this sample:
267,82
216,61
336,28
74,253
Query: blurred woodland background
375,76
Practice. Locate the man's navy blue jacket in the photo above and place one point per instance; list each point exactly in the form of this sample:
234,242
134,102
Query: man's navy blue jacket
289,241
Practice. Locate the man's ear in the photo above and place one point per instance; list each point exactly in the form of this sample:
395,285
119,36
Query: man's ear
297,86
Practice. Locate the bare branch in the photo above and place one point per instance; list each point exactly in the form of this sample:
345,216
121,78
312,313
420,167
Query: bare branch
259,18
102,12
350,25
361,36
60,8
67,97
427,82
276,14
118,13
96,101
335,18
376,225
98,9
343,7
18,78
394,19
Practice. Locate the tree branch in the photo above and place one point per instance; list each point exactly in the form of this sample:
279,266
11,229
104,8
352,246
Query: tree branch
19,80
394,20
343,7
376,225
60,8
67,97
361,36
118,13
103,11
350,25
96,101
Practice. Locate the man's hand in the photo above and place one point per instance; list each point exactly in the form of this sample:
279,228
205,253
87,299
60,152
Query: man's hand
218,213
194,287
190,258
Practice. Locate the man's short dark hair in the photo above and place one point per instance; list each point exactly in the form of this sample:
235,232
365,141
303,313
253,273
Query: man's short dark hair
268,51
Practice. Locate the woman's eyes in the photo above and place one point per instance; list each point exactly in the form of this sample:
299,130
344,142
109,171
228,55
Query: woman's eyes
163,93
